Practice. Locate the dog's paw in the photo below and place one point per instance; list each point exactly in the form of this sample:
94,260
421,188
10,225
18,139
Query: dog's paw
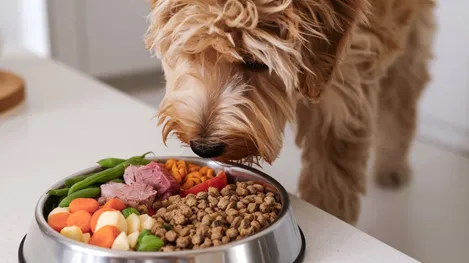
394,179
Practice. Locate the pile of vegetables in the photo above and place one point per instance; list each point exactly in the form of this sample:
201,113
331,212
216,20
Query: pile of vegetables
79,215
112,225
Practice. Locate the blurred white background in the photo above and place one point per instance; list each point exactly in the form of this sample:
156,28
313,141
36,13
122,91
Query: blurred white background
104,39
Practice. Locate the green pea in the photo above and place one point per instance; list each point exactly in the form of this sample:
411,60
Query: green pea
130,210
150,243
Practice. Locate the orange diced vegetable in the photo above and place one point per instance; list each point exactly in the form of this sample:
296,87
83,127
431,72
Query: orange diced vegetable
89,205
58,221
81,219
105,236
95,217
115,204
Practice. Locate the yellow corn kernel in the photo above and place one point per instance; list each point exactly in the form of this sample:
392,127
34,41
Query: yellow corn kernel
210,173
203,170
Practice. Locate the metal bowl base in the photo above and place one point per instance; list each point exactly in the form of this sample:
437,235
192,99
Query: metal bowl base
299,259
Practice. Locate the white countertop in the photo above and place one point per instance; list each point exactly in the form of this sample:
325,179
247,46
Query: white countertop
70,120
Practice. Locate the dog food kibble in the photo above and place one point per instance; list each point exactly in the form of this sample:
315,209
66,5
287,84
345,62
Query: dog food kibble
214,217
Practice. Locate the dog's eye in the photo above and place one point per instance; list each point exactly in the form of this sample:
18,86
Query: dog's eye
251,64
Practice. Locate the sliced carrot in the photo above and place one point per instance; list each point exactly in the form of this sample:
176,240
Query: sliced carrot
58,221
89,205
115,204
105,236
95,217
81,219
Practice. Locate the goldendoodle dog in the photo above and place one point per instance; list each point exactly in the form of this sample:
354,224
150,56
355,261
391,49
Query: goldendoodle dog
347,74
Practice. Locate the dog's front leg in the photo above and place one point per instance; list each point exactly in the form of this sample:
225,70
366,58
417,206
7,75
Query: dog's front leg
335,137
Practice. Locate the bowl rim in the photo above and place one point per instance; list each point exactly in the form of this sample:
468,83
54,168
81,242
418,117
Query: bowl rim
106,252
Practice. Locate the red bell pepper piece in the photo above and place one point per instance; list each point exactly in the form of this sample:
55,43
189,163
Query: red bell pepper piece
151,212
219,182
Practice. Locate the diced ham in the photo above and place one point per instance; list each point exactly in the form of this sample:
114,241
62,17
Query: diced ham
131,194
154,175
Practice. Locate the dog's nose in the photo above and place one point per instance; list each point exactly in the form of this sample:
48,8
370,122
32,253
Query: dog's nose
207,151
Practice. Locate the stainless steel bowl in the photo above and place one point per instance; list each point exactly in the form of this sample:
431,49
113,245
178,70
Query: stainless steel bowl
281,242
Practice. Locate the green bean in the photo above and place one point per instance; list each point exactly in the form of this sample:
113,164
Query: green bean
58,192
110,162
113,162
83,193
71,181
106,175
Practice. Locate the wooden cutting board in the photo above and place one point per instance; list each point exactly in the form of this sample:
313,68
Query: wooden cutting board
12,90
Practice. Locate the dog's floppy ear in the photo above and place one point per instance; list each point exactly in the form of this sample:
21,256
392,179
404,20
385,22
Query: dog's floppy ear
327,25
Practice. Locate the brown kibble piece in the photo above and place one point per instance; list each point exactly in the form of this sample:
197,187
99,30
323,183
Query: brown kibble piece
258,200
179,218
168,249
240,205
236,222
161,212
207,243
217,233
252,207
191,201
223,203
182,242
231,205
213,201
171,236
256,225
241,191
232,212
232,233
217,242
226,191
269,200
249,217
265,208
277,207
259,188
202,204
202,196
197,239
243,225
185,211
207,220
225,240
212,191
251,189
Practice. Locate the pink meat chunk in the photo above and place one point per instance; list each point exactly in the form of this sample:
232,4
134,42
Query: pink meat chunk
154,175
133,194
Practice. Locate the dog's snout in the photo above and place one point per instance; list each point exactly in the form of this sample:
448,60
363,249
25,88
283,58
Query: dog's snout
205,150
